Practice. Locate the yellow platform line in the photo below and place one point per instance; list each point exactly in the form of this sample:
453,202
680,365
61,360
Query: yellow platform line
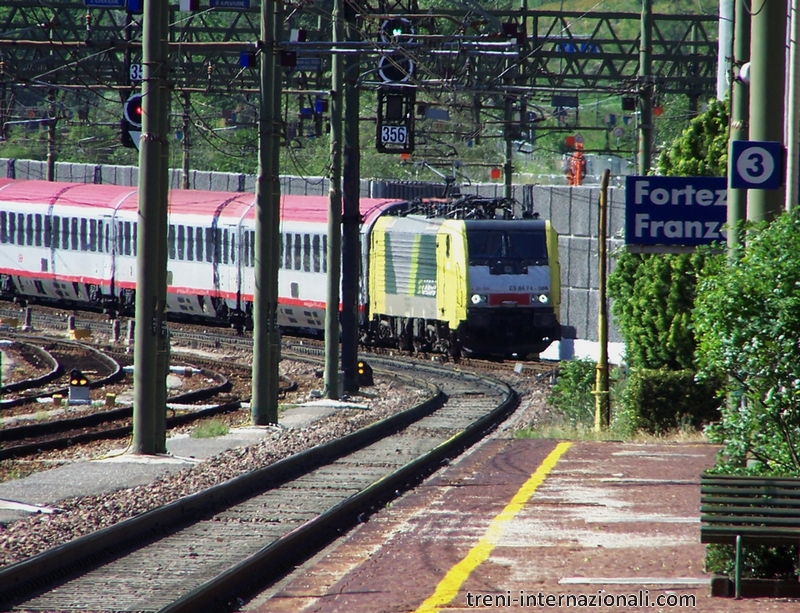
448,587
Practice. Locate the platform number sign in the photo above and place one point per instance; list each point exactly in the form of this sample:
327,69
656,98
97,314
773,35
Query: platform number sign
756,164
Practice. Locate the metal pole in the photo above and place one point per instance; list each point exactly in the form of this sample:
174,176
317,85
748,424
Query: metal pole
602,407
508,165
264,401
793,120
51,136
767,88
185,126
739,112
726,20
162,339
646,89
351,219
334,216
148,318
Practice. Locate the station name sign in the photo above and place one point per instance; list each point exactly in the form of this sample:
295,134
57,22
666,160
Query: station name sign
675,211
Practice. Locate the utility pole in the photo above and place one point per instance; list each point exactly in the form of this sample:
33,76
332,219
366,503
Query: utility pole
767,88
162,338
793,120
646,88
602,411
351,219
51,136
739,112
185,131
334,214
150,315
266,336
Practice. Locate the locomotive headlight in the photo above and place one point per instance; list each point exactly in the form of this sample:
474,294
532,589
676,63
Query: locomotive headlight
543,298
479,299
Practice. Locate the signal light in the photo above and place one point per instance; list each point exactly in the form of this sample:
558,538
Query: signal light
132,121
364,376
78,387
77,378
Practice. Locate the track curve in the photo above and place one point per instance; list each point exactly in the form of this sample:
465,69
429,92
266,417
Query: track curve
211,548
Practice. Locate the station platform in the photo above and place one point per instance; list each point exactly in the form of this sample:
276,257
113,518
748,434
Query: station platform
524,525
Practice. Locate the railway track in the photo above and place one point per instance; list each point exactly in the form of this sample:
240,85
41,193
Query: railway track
214,547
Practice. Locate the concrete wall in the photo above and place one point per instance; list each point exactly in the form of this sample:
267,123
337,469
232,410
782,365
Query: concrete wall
572,210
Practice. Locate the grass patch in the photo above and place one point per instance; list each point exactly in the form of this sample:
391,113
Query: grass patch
210,429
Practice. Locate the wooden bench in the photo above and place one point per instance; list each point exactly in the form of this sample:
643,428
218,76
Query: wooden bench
736,510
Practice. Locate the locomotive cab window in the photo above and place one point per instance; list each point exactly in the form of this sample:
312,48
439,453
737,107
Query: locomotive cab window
525,247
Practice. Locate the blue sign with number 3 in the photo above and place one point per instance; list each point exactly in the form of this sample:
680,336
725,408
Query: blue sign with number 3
756,164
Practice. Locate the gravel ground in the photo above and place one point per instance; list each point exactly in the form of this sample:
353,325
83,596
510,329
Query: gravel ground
83,515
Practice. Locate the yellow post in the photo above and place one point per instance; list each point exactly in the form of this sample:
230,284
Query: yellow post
602,407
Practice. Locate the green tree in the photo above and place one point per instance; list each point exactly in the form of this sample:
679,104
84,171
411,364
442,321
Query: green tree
747,323
654,294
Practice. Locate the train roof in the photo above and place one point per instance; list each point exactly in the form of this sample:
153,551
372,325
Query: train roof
191,202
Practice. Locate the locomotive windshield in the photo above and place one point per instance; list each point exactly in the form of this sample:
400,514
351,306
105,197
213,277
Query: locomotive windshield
527,247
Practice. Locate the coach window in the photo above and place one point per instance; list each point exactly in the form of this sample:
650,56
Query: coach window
133,238
190,244
252,250
171,241
287,255
246,249
108,238
233,247
199,244
209,244
92,235
3,227
181,242
20,228
324,253
307,252
126,237
73,230
224,246
84,235
29,230
315,250
48,231
65,232
99,242
12,227
55,239
298,252
37,220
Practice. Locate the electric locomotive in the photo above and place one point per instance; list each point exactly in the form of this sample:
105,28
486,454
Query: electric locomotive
468,277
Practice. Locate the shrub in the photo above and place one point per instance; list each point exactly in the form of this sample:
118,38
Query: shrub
659,400
572,394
